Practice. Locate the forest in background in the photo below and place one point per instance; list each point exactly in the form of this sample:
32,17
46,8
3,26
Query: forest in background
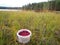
52,5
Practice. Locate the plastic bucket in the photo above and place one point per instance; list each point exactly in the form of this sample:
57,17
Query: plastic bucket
23,36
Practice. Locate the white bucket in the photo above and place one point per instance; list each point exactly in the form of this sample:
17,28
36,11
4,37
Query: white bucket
23,39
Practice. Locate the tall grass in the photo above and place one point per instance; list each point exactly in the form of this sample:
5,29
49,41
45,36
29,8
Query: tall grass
45,27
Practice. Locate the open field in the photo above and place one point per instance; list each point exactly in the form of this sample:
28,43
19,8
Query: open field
45,27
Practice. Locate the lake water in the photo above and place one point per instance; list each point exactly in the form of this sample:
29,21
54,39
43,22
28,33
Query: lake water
9,10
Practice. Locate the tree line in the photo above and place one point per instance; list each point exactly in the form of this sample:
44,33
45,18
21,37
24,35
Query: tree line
50,5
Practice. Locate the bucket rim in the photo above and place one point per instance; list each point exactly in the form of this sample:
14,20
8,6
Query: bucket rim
23,30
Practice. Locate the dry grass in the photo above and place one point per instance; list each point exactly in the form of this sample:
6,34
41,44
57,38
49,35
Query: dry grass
45,27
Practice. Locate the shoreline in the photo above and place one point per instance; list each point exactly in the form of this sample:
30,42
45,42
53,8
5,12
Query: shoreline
10,10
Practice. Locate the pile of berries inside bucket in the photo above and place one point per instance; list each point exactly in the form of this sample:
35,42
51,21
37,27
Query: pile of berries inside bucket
24,33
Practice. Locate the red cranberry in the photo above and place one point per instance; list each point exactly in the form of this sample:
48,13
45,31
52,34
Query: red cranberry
24,33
